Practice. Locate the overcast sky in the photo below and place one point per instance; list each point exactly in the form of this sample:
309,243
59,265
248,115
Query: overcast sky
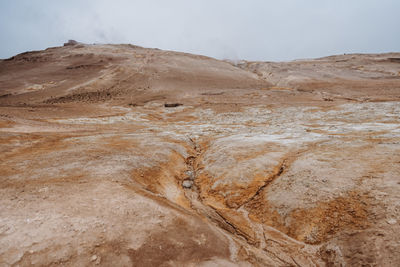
248,29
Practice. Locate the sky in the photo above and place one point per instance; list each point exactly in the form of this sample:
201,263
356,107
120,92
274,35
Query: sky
265,30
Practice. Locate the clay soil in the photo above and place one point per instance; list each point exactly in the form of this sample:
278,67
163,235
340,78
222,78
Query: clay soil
118,155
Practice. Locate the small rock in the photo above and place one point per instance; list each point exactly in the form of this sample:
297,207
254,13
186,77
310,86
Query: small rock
93,258
70,42
187,184
190,174
391,221
172,105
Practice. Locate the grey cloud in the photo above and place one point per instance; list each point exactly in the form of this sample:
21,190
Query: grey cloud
253,29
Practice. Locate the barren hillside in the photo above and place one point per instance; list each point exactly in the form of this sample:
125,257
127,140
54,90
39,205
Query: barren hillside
118,155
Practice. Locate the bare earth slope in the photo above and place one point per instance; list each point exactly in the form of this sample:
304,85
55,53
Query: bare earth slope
117,155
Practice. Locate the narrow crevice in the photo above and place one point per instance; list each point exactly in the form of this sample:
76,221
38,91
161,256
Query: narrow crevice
192,193
267,182
282,169
191,170
230,227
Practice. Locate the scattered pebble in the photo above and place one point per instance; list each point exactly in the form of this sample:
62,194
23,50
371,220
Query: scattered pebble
187,184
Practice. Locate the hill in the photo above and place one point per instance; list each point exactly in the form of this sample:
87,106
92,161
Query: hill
128,156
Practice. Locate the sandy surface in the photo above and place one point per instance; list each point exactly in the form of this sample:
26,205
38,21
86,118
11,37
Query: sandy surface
249,163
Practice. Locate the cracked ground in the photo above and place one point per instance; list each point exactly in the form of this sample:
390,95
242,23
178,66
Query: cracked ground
117,155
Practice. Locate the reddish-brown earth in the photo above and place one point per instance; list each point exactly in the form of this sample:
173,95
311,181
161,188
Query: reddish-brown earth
117,155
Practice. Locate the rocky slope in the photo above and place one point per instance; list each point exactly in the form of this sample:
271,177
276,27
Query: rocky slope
117,155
